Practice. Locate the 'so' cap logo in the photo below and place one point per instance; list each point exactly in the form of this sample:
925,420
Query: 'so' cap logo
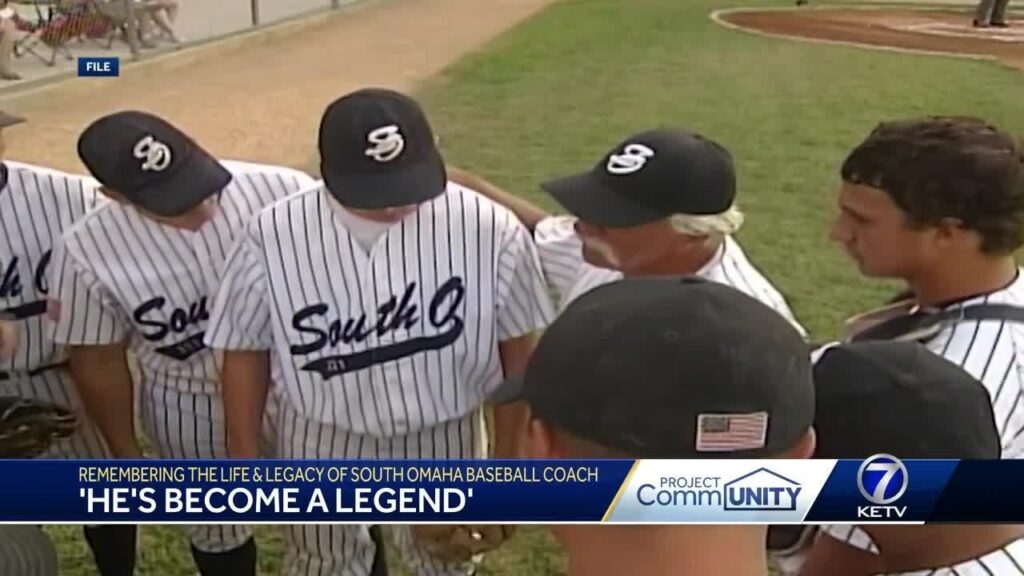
632,159
882,479
155,155
386,143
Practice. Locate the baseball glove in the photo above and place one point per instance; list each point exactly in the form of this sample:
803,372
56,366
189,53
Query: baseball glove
28,427
460,543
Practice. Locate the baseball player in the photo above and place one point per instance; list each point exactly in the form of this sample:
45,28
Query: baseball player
723,376
137,275
36,206
898,398
387,303
939,204
661,202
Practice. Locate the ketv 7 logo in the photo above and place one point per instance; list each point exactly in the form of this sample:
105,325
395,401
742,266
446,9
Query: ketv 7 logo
882,480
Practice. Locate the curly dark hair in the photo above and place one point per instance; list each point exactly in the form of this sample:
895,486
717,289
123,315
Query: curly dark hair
948,167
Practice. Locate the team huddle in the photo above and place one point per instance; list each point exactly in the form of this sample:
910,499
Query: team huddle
402,308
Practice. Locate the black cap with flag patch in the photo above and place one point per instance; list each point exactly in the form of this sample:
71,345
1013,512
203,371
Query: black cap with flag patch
150,162
377,150
650,176
671,368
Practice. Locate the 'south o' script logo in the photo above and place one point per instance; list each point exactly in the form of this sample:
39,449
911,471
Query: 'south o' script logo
181,320
386,143
632,159
397,313
155,155
12,286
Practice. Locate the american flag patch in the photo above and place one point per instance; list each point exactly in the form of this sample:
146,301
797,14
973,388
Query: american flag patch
731,432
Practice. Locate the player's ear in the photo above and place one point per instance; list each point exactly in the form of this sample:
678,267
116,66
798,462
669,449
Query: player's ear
805,447
540,440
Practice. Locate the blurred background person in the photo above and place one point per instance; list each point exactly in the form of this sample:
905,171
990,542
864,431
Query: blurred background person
991,13
8,37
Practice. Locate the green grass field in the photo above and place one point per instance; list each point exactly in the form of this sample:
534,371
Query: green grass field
555,93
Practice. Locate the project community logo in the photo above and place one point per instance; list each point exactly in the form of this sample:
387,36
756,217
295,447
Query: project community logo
882,481
760,490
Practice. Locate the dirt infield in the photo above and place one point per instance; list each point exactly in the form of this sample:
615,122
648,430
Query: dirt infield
260,97
938,31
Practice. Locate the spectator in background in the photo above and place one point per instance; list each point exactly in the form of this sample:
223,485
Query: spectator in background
898,398
8,36
991,13
162,14
653,368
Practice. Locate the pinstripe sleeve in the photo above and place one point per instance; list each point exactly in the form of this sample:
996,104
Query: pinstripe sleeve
523,303
852,535
561,254
82,311
240,319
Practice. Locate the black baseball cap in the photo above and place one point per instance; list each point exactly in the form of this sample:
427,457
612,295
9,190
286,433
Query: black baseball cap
899,398
671,368
650,176
377,150
150,162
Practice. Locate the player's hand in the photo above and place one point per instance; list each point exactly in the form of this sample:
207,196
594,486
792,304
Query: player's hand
8,339
126,449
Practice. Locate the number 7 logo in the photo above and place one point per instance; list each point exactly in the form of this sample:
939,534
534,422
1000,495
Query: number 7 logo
874,487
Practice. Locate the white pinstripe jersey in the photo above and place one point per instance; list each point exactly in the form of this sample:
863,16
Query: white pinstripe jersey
394,340
993,351
569,276
36,206
119,274
1007,561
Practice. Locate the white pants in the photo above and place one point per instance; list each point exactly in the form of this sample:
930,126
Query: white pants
56,386
348,550
183,425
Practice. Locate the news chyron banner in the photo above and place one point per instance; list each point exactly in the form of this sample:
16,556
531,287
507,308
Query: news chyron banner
879,489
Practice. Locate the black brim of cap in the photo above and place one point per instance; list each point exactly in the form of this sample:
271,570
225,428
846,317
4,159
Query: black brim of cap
511,390
589,200
403,186
198,178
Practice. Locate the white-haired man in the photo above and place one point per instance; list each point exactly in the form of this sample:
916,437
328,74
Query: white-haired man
662,202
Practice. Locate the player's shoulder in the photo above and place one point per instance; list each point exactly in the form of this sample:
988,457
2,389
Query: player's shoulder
474,204
100,217
244,168
307,199
14,166
555,228
49,179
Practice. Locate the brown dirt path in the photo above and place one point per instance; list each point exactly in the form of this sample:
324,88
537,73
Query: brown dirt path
941,31
260,97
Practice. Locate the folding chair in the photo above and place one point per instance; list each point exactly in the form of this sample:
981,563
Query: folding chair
69,21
